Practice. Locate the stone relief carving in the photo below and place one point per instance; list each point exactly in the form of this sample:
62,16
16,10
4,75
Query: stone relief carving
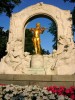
60,62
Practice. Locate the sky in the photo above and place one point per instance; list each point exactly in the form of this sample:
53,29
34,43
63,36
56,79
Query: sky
46,38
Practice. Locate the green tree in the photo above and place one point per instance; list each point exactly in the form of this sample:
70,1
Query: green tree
53,31
72,1
73,18
7,6
3,41
28,42
73,15
43,51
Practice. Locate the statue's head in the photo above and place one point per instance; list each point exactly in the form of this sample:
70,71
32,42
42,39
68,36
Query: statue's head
38,25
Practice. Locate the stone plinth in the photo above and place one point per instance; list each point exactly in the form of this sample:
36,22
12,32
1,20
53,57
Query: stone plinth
37,61
41,80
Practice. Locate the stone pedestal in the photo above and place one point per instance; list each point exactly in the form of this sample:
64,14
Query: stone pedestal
37,65
37,61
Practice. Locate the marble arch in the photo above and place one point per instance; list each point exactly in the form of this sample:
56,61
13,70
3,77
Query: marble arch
18,20
60,62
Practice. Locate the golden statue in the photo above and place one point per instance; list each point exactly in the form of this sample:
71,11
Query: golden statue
36,37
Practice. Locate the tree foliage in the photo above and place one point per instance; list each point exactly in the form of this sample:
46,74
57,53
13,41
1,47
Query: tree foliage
3,41
73,15
7,6
28,42
53,31
73,18
72,1
43,51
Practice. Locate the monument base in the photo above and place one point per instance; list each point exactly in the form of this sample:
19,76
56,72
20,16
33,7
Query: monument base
36,65
37,61
41,80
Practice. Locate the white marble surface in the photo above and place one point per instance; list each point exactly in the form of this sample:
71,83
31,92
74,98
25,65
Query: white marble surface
59,62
